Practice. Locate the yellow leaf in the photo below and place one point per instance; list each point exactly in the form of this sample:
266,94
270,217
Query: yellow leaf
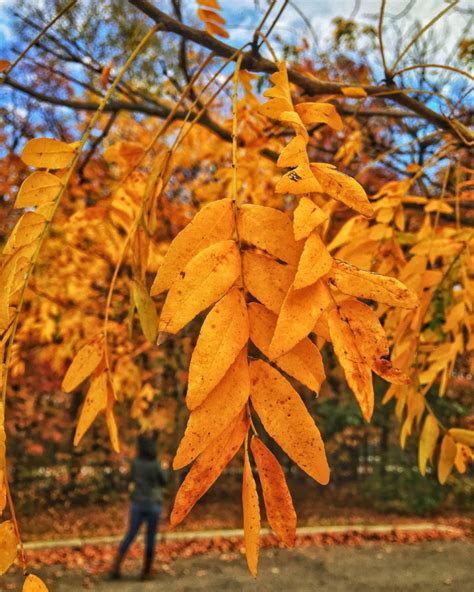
8,543
28,228
280,94
275,107
286,419
110,420
278,503
294,120
388,372
370,336
33,583
223,335
84,363
208,466
303,362
38,189
356,370
354,92
214,223
297,181
446,458
146,311
270,230
46,153
315,261
464,456
95,402
294,153
267,280
298,315
428,438
312,113
462,436
251,512
371,340
306,217
205,279
222,405
342,188
366,284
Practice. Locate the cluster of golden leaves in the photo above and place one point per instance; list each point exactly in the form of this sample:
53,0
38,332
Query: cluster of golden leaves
277,291
271,283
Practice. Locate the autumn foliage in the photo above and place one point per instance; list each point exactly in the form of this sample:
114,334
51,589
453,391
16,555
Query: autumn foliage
278,260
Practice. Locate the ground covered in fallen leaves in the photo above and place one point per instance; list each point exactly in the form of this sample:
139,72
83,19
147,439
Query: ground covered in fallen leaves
368,566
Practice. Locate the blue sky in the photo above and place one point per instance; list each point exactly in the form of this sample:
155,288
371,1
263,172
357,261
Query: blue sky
242,16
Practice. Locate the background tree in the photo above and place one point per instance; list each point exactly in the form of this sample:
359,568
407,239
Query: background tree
176,135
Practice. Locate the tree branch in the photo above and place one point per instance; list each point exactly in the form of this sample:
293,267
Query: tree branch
309,85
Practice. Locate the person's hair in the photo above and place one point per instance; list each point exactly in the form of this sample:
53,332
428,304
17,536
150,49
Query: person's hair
147,448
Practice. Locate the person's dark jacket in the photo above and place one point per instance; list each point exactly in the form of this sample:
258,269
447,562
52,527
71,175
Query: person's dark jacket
147,476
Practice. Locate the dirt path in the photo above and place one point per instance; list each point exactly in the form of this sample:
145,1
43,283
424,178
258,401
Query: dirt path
371,567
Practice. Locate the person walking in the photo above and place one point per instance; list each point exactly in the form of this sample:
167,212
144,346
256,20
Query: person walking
146,480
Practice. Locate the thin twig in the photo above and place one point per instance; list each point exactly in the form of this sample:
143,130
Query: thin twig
35,40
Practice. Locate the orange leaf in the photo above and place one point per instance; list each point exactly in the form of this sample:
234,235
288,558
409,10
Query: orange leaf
356,370
267,280
208,466
105,75
342,188
294,153
146,311
251,512
276,495
205,279
298,315
8,543
306,217
221,406
110,420
464,456
315,261
297,181
370,336
463,436
446,458
303,362
223,335
95,402
213,223
26,231
47,153
33,583
37,189
428,438
84,363
269,230
353,281
312,113
209,3
285,417
210,15
214,29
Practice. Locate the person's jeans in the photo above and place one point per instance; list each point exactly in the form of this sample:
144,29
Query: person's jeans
142,512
